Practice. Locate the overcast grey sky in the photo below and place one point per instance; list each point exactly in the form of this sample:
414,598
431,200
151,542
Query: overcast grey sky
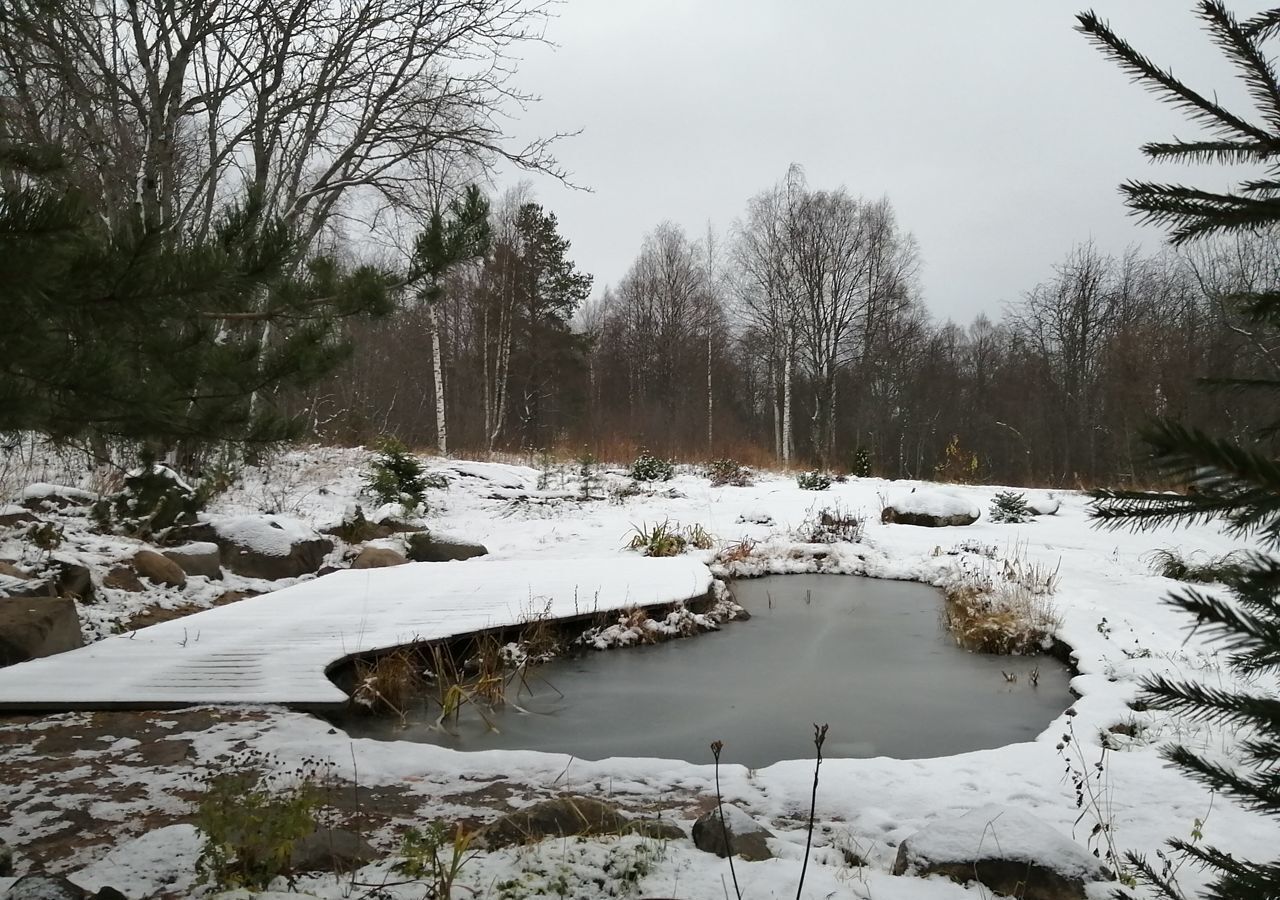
997,131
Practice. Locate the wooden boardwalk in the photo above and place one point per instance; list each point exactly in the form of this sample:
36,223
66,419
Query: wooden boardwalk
275,649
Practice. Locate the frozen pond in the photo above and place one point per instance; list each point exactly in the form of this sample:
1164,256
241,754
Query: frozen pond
869,657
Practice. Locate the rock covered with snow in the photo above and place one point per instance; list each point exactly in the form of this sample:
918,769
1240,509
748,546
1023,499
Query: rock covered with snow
737,834
269,546
930,508
570,817
427,547
14,516
1007,850
1043,504
54,496
197,558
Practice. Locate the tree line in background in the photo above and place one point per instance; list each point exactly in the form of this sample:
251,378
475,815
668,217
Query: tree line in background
251,220
801,336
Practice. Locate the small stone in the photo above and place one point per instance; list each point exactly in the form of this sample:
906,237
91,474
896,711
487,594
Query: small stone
158,568
739,834
197,558
75,581
331,850
8,568
123,578
378,558
45,887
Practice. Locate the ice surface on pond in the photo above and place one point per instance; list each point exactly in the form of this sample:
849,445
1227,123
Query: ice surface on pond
870,657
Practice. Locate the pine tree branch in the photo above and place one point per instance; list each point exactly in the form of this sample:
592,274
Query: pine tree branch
1212,152
1163,83
1255,69
1205,703
1262,26
1191,213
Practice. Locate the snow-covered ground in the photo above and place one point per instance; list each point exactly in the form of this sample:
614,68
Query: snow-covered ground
1108,603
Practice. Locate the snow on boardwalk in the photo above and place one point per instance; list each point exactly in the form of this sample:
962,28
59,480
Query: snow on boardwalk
275,648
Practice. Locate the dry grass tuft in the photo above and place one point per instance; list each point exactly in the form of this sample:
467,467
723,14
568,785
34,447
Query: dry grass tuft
737,552
1003,608
389,683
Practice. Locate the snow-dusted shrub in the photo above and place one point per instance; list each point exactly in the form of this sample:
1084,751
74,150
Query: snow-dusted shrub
1010,507
830,525
728,472
813,481
1197,567
154,497
648,467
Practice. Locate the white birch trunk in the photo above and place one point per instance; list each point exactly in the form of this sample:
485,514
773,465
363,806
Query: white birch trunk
442,433
710,407
786,405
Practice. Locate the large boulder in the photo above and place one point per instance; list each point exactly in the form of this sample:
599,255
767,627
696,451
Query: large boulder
160,569
1007,850
738,835
54,496
269,547
197,558
929,508
569,817
426,547
378,558
31,627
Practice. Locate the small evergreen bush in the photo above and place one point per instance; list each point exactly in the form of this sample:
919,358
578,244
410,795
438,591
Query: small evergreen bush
1010,507
648,467
728,472
395,476
861,467
813,481
588,475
